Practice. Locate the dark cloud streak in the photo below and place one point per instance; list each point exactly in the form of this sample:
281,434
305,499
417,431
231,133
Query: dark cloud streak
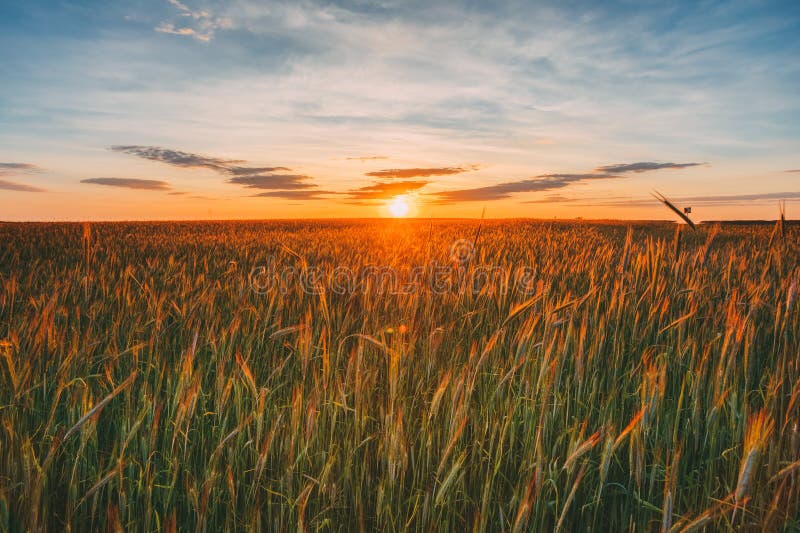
643,166
249,171
9,168
542,183
296,195
178,158
273,181
20,187
130,183
404,173
550,182
239,174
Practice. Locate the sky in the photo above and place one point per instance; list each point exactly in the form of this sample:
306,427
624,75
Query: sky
213,109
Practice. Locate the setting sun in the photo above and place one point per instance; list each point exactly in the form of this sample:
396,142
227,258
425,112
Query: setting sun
399,207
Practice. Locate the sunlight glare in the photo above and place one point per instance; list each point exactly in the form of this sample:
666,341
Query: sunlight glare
399,207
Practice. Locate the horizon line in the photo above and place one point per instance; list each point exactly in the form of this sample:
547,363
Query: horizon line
398,219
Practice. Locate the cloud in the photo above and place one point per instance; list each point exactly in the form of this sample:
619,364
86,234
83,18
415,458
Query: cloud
560,199
16,169
232,167
167,27
544,182
9,168
201,25
643,166
794,170
296,195
579,176
366,158
130,183
273,181
419,172
550,199
12,186
549,182
239,174
245,171
179,158
180,5
383,190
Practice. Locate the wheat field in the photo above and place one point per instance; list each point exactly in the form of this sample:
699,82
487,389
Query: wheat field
641,378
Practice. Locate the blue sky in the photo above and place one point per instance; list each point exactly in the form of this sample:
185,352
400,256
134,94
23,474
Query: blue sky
307,108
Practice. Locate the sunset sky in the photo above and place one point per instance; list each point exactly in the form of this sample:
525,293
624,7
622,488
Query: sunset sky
195,109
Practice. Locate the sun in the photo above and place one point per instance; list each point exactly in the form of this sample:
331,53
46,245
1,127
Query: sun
399,206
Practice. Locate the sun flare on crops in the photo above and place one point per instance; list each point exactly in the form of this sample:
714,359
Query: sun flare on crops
399,206
564,358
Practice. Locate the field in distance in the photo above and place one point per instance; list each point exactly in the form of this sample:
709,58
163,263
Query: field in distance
399,374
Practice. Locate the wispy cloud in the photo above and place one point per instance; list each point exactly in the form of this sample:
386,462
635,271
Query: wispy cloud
383,190
405,173
201,197
17,169
249,171
544,182
130,183
180,5
13,186
644,166
273,181
551,199
239,174
793,170
297,195
200,24
549,182
179,158
561,199
366,158
168,27
8,168
574,177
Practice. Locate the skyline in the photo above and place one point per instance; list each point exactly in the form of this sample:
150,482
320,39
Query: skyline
165,109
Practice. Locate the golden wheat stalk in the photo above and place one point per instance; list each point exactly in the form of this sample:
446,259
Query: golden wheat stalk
663,199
